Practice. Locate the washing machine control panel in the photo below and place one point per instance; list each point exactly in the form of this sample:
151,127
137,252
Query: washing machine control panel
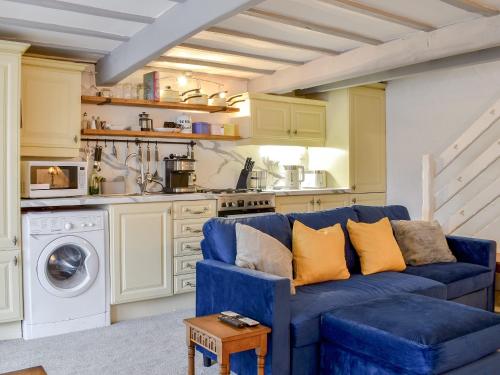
65,224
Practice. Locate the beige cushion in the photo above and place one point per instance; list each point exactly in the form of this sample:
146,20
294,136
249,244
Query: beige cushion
422,242
259,251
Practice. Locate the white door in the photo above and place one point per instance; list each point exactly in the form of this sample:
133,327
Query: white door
308,123
10,286
298,203
140,251
270,119
9,151
368,150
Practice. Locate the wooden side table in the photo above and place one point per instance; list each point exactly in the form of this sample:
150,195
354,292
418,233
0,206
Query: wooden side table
223,340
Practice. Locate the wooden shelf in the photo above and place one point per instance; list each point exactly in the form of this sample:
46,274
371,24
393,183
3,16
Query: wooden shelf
99,100
144,134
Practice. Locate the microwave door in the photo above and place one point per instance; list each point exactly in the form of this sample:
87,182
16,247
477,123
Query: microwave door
56,177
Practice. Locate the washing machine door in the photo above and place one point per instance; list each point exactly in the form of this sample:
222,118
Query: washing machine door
68,266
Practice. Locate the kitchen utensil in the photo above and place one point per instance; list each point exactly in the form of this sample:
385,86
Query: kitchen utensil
145,123
148,158
294,175
258,180
244,174
156,175
114,151
194,96
315,179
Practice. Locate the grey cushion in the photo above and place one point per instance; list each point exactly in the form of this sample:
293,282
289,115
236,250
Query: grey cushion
259,251
422,242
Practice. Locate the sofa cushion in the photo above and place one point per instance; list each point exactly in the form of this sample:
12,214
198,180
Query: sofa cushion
310,301
220,234
459,278
372,214
417,334
323,219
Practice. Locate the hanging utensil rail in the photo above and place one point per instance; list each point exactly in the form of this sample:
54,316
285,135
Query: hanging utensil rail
136,141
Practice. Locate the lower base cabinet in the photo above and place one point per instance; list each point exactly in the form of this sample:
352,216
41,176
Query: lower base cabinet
10,286
140,251
311,203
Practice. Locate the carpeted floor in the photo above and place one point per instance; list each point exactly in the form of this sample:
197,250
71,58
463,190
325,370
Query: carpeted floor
149,346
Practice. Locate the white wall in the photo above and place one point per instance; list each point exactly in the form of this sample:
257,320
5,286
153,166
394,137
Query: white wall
425,114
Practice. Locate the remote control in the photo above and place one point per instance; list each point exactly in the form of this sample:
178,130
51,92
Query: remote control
231,314
231,321
249,322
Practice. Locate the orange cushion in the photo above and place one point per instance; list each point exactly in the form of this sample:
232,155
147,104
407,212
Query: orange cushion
318,255
376,246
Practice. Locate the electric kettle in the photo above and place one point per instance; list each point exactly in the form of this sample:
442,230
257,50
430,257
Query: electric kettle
294,175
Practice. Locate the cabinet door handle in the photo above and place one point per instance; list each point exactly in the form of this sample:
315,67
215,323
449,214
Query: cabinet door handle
14,240
288,131
353,187
318,202
189,229
205,209
353,200
190,266
189,283
295,132
311,202
189,247
15,261
75,139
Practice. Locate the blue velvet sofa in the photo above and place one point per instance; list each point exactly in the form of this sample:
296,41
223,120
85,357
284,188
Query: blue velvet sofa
294,345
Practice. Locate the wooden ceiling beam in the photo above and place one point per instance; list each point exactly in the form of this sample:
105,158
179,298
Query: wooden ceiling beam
358,7
86,9
224,51
212,64
170,29
311,26
473,7
61,29
240,34
469,36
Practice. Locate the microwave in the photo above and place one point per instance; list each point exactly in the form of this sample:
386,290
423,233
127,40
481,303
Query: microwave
50,179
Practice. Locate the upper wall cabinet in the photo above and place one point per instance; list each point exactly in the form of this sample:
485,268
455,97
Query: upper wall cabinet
282,120
10,73
51,108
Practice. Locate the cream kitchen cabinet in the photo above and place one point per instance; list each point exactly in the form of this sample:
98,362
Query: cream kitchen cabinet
10,272
51,109
369,199
140,251
281,120
10,286
310,203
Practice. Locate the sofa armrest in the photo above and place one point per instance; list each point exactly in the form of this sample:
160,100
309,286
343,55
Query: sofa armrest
258,295
473,250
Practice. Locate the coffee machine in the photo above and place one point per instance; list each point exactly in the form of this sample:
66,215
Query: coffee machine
179,174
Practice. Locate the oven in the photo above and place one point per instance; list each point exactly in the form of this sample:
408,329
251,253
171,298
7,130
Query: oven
47,179
245,204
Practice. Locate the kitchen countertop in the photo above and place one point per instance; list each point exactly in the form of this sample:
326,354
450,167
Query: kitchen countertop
101,200
285,192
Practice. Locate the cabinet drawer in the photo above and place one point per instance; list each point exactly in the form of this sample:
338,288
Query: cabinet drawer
189,227
194,209
187,246
186,265
184,283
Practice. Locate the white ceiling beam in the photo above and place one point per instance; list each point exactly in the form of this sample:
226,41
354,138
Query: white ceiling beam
267,39
212,64
474,35
240,54
171,28
61,29
473,7
311,26
86,9
358,7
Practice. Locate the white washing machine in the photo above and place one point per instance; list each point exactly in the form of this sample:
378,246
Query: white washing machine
64,272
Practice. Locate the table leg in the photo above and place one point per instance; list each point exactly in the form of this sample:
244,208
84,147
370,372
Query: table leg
261,355
190,358
225,366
